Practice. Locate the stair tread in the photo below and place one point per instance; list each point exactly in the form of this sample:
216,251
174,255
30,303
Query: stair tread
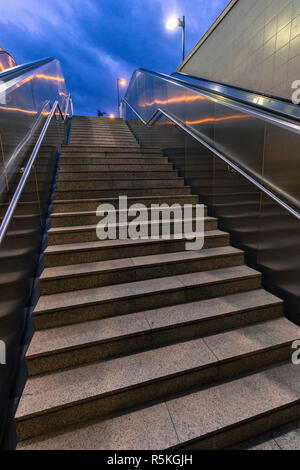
129,198
182,420
97,295
108,329
70,386
66,214
113,243
113,265
285,437
79,228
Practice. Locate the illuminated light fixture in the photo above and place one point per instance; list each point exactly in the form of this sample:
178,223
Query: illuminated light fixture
259,101
122,82
174,23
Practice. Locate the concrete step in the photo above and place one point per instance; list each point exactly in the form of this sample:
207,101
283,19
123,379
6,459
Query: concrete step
92,204
90,304
133,159
112,156
115,175
88,233
64,398
111,166
89,252
103,144
137,191
285,437
82,343
108,150
89,275
70,219
121,184
262,400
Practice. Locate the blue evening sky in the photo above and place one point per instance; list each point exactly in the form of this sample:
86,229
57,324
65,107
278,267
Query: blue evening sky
98,40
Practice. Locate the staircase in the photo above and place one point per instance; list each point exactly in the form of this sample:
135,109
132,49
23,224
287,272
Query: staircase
140,344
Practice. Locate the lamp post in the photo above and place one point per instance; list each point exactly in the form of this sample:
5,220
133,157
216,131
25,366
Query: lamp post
122,82
174,23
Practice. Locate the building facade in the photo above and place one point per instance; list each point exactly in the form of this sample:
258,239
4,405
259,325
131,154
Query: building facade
253,44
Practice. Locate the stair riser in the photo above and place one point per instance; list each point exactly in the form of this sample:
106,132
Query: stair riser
137,274
119,184
117,161
73,149
103,406
115,167
136,175
114,252
91,235
100,138
92,219
114,193
145,302
92,205
101,143
67,157
122,346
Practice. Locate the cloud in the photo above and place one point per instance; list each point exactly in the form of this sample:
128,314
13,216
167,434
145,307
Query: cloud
98,40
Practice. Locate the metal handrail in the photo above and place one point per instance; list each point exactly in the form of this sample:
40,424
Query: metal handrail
231,103
15,199
15,71
155,116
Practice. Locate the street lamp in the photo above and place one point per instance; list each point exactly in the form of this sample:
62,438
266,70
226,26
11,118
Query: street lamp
174,23
122,82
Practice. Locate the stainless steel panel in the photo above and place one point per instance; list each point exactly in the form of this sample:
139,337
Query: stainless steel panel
264,146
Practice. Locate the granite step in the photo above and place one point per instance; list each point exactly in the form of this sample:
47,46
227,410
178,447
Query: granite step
131,160
119,299
283,438
137,191
96,390
102,149
120,184
114,167
98,177
86,204
89,252
87,233
89,275
77,344
67,219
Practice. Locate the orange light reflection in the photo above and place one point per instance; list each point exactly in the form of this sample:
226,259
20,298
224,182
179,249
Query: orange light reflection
179,99
226,118
25,111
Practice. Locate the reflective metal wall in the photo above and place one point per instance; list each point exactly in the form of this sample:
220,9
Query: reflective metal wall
21,259
266,150
6,61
